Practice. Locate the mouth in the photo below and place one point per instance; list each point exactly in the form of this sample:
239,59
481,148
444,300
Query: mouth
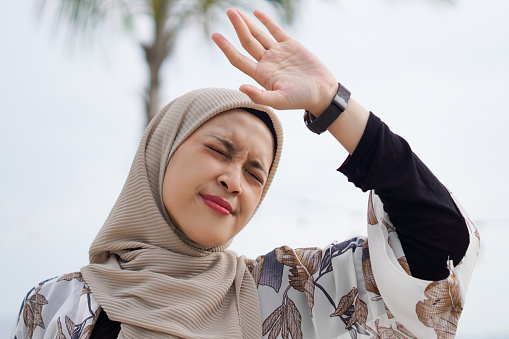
217,204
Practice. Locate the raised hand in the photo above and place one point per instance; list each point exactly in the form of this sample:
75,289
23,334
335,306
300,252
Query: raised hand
292,76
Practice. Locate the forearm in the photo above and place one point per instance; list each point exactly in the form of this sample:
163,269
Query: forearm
349,127
429,224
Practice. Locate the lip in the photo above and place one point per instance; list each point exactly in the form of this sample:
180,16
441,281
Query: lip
217,204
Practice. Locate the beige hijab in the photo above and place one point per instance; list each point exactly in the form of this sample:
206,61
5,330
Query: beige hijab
148,275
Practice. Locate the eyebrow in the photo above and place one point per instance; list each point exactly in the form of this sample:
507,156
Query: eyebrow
231,149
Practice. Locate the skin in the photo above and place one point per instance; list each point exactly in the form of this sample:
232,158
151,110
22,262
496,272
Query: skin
204,165
292,76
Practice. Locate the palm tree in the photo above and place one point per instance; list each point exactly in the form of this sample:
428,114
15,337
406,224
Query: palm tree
167,18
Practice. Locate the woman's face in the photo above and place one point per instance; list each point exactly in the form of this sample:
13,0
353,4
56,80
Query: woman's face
215,178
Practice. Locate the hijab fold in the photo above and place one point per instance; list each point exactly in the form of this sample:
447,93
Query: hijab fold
149,276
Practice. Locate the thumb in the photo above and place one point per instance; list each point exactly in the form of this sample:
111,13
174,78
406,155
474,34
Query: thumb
273,99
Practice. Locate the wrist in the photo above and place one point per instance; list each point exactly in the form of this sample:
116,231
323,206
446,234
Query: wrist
324,101
338,104
349,127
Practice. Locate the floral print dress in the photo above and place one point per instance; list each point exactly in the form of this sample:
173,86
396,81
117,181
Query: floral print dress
358,288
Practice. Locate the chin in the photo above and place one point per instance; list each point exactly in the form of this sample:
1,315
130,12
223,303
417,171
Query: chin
211,240
213,243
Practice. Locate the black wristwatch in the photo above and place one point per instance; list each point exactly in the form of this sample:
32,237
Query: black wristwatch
337,106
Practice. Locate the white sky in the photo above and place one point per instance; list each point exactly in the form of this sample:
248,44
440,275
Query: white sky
70,121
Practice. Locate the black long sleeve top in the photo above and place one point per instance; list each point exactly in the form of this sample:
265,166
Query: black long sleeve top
430,227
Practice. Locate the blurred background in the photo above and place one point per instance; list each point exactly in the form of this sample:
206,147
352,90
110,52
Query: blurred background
72,110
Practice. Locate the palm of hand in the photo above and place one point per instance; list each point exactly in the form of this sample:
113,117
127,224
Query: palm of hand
292,76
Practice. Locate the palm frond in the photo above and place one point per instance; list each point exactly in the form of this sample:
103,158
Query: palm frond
286,9
206,12
85,17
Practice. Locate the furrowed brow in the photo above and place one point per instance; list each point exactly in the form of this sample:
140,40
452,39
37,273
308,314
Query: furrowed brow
228,145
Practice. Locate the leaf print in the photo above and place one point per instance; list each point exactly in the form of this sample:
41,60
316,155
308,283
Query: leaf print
285,255
354,313
256,267
295,279
272,272
310,258
87,332
345,303
389,227
403,330
326,265
309,293
60,334
285,334
32,312
293,320
285,319
71,276
372,220
249,264
304,262
96,314
404,264
70,326
335,250
276,329
85,290
79,331
388,332
271,320
360,313
442,308
369,278
388,311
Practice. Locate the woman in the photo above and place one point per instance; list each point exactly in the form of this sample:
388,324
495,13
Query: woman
159,268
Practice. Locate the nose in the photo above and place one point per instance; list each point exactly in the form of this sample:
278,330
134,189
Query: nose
231,180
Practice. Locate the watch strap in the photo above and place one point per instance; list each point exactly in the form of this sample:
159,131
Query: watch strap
331,113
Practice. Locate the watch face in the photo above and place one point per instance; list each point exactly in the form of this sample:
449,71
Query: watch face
344,93
337,106
342,97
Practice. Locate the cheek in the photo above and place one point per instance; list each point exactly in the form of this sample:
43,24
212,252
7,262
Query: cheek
251,201
173,184
169,190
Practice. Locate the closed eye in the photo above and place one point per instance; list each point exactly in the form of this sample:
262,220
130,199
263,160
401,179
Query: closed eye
217,150
256,177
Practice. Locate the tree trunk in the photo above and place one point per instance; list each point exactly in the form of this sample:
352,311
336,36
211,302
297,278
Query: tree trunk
152,98
155,54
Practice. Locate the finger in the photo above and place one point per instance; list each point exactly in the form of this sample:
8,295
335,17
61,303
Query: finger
266,41
273,99
275,30
250,44
243,63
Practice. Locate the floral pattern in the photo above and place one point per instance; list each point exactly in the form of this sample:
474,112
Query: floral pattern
353,311
441,309
285,319
304,262
73,320
32,311
345,290
79,331
314,277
